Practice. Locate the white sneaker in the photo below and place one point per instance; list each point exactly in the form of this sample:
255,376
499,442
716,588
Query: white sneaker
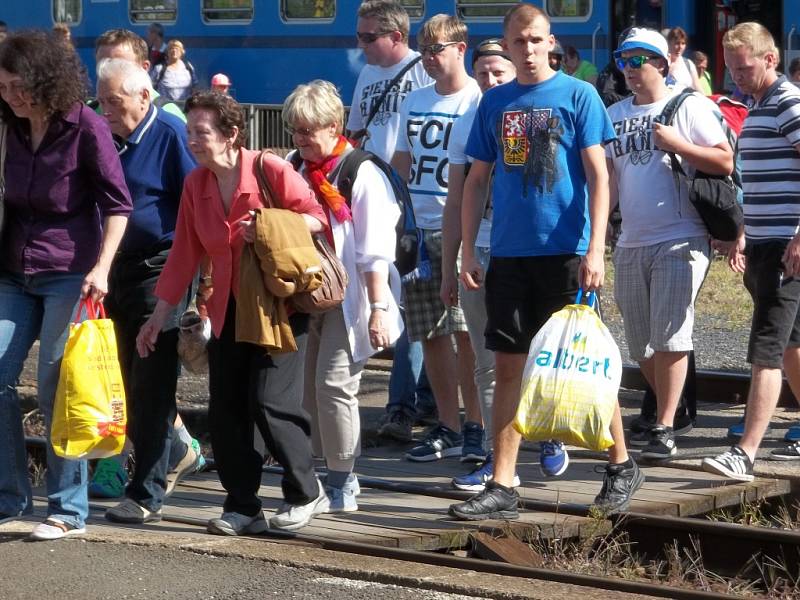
233,523
54,529
4,518
188,464
293,516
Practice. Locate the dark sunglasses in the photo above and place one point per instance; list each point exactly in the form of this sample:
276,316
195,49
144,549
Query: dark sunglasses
434,49
634,62
369,38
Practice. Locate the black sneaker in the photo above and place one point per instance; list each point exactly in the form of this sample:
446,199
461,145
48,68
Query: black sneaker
662,443
639,427
494,502
733,463
642,423
396,425
619,486
441,442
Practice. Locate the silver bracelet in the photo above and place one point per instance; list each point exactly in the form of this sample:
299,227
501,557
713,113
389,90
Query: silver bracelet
384,306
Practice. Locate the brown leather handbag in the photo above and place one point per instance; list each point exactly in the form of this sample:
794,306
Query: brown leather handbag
334,275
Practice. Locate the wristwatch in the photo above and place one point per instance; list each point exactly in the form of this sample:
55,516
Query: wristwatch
384,306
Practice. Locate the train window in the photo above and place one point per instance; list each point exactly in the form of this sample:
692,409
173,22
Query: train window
482,8
414,8
227,10
67,11
308,9
147,11
568,9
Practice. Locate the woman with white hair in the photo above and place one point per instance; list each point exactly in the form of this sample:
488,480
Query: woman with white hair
363,235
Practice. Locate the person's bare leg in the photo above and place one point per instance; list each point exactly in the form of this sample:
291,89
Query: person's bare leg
466,378
618,453
765,389
442,370
670,374
508,374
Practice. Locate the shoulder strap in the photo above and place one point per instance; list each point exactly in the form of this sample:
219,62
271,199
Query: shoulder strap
375,107
666,117
346,171
267,195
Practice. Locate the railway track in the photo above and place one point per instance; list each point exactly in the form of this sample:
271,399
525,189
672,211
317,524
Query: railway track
726,548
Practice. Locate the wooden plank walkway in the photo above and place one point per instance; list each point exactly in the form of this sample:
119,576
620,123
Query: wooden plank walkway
395,519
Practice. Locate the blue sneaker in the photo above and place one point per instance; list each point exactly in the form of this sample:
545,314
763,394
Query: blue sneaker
792,434
736,431
553,460
201,460
472,447
109,479
476,480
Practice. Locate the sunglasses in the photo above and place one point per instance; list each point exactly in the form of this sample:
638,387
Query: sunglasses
434,49
634,62
369,38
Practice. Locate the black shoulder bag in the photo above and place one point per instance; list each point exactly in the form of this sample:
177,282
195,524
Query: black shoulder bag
713,196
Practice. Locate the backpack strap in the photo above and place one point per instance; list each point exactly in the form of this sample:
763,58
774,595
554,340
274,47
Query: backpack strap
666,117
375,107
346,171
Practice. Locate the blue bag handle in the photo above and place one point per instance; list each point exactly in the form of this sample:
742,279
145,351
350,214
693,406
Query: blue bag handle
591,298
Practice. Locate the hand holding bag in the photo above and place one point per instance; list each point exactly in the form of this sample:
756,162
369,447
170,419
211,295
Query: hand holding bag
89,418
334,275
571,380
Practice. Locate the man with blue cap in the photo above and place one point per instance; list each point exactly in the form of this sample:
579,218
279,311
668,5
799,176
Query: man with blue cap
663,252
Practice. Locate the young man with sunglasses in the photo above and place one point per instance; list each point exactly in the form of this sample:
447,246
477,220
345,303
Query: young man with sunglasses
427,117
662,255
382,34
539,138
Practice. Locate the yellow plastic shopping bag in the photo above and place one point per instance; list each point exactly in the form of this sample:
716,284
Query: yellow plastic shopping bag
571,380
89,412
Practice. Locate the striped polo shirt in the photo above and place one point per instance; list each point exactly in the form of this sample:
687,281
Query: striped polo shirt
771,164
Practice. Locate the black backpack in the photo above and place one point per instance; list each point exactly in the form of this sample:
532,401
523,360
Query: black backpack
716,197
407,234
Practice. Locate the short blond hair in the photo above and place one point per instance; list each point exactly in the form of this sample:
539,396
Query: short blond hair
176,44
390,15
751,35
316,104
524,13
441,27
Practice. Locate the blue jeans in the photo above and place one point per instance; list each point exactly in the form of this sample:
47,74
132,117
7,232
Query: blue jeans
409,389
34,306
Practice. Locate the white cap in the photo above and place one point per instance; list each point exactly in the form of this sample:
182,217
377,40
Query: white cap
640,38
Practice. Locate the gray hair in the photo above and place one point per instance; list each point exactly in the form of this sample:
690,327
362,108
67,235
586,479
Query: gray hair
316,104
134,77
390,15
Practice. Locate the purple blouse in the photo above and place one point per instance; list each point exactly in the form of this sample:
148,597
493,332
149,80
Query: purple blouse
56,197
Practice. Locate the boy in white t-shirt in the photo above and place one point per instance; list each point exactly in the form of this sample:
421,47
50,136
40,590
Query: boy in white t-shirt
663,252
426,120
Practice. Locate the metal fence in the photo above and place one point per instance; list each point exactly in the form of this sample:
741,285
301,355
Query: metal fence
265,127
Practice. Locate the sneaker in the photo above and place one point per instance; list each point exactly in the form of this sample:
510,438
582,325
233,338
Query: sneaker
619,486
233,523
639,439
295,516
553,460
790,452
54,529
188,464
396,425
662,443
440,443
792,434
7,518
494,502
682,425
736,431
733,463
201,460
477,479
472,448
343,499
642,423
130,511
109,479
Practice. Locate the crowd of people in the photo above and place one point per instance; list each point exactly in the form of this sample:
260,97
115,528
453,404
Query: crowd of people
512,173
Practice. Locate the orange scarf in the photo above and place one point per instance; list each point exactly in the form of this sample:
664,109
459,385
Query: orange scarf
326,193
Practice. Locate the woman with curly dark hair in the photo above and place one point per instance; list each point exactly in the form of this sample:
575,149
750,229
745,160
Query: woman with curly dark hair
66,207
248,386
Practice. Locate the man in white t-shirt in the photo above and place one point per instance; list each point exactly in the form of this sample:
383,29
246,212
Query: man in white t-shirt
426,121
491,67
663,252
382,33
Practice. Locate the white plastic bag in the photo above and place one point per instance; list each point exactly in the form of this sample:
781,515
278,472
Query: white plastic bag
571,380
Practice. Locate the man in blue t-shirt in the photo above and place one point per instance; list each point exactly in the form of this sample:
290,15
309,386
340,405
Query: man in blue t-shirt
155,157
543,135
